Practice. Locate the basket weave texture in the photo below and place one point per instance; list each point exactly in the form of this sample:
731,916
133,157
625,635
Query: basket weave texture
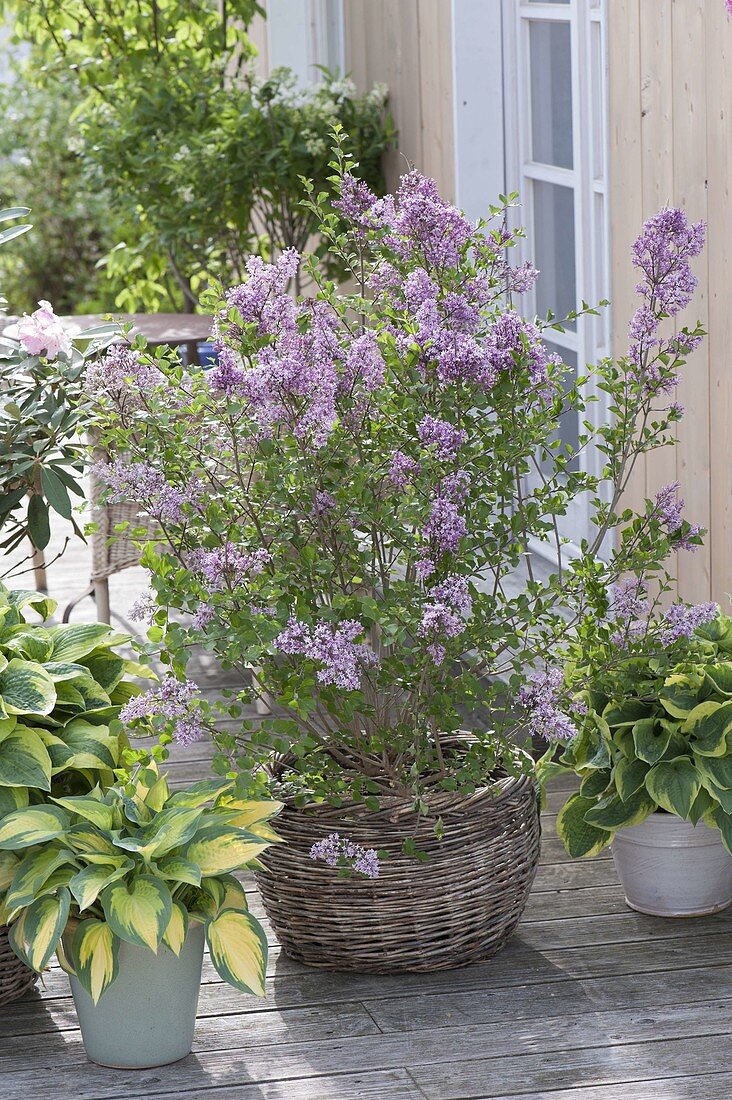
112,551
15,977
459,906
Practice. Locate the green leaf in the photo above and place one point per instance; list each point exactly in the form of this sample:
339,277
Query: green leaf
88,883
175,934
24,761
177,869
44,923
650,739
629,776
717,769
95,952
90,745
56,492
594,784
26,688
710,732
38,525
206,790
217,849
720,677
12,798
625,713
579,837
138,911
238,948
674,784
32,872
34,825
8,865
74,640
614,813
91,809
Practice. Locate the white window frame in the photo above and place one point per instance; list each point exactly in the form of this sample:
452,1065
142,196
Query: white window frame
302,34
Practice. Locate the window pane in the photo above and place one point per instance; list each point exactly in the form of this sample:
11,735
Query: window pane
551,92
569,425
556,287
549,1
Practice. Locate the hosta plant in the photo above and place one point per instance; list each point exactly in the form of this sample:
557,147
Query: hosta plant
657,735
350,498
61,689
134,864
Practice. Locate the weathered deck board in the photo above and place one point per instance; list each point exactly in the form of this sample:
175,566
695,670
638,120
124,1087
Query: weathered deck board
589,1001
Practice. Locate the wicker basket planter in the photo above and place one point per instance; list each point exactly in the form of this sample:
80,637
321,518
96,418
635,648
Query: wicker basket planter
459,906
15,977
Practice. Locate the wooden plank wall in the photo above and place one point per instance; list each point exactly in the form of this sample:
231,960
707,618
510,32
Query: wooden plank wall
407,45
670,143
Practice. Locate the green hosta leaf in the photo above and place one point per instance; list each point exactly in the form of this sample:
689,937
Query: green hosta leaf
198,793
32,872
718,794
24,761
17,938
26,597
26,688
720,677
95,951
8,865
626,713
177,869
105,667
93,845
138,911
34,825
613,813
710,732
91,746
91,809
579,837
172,828
718,769
12,798
701,805
629,776
218,849
87,884
650,739
34,643
74,640
238,948
235,896
674,784
175,934
677,702
592,785
723,822
44,923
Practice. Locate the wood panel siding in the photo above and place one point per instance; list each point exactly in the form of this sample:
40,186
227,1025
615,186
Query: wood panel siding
407,45
670,134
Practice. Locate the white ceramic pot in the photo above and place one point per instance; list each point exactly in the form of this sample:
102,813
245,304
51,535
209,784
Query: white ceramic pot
671,868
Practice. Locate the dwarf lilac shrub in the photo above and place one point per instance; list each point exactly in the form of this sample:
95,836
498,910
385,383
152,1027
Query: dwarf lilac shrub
344,499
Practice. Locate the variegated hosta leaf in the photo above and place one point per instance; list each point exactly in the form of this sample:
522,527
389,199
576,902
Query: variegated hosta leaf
218,849
26,688
74,640
105,668
8,864
138,911
44,922
157,795
90,808
175,934
238,949
92,844
169,829
12,798
34,825
91,746
63,959
235,896
95,952
32,872
254,816
199,793
24,761
87,884
177,869
17,937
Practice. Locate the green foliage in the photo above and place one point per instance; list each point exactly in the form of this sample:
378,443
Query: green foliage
657,736
61,689
128,864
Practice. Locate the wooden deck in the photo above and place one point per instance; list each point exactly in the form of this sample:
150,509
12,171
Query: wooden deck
589,1001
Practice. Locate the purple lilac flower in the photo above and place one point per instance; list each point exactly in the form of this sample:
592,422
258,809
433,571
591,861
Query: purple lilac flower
122,375
445,613
143,483
228,374
662,251
630,609
203,616
444,437
540,696
445,526
681,620
402,470
427,225
424,568
324,503
144,607
364,361
253,299
512,341
418,288
173,700
356,201
333,647
455,486
436,653
338,851
227,565
520,280
728,5
667,509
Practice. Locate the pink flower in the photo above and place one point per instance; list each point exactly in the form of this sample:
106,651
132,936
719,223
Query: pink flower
43,334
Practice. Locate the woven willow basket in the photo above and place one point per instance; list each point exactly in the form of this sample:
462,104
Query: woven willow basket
15,977
459,906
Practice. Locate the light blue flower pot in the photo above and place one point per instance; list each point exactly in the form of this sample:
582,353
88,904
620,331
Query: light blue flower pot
147,1016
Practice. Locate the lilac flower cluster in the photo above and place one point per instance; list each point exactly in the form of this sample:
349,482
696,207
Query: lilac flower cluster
227,565
203,616
338,851
173,700
540,696
123,375
333,647
667,509
402,470
444,437
263,298
142,483
630,609
681,620
144,607
365,363
444,615
445,525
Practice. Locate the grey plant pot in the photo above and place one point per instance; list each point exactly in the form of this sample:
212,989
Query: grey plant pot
671,868
147,1016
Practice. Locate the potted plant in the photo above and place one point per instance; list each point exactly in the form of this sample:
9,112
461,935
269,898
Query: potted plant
124,885
654,755
351,501
61,689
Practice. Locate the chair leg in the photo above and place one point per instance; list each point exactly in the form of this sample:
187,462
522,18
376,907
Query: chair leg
101,597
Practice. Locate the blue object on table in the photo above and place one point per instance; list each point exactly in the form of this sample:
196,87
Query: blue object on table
207,357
